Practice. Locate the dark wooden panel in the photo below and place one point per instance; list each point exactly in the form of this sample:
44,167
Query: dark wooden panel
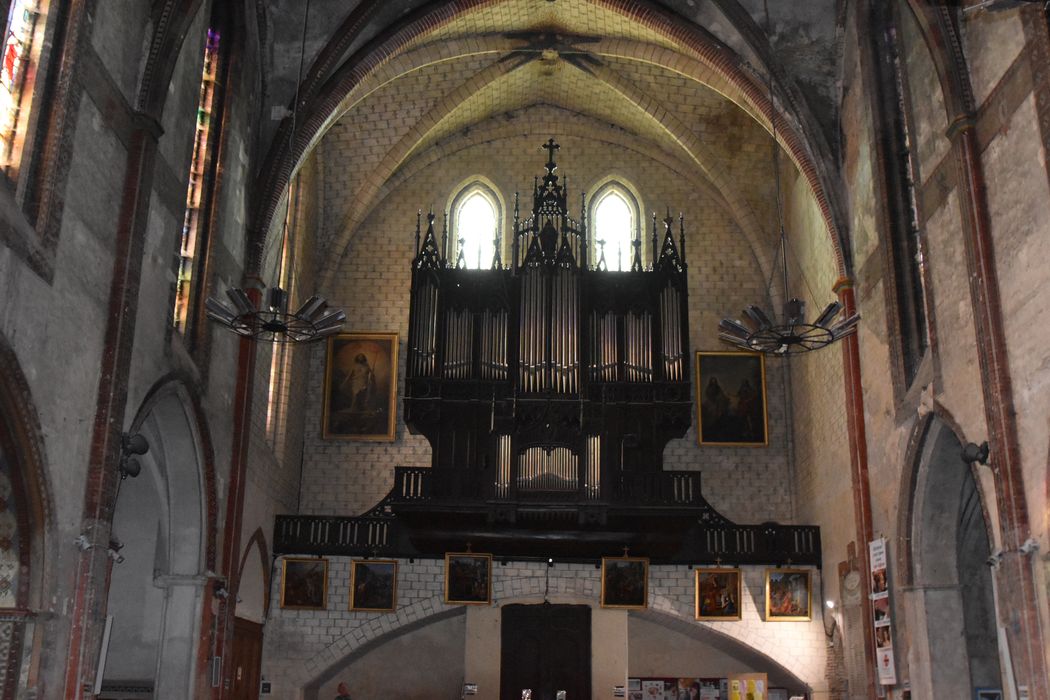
545,648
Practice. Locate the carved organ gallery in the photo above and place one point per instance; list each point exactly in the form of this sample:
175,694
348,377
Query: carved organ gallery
548,387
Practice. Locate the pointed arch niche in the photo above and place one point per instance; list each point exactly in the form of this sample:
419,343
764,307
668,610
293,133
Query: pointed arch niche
159,519
614,216
950,591
475,216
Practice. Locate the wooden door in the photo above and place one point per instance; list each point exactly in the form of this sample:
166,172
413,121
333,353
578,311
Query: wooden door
546,648
246,658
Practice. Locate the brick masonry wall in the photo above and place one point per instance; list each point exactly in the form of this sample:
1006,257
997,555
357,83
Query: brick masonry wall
302,644
372,285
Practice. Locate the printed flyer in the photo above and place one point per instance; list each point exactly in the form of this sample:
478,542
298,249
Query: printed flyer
880,605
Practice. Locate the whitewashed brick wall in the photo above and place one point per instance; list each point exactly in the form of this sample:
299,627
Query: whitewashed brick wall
301,644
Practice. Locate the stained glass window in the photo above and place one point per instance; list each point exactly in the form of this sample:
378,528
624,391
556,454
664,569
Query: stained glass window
19,35
195,192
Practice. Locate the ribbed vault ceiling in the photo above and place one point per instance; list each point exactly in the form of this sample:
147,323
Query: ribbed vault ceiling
503,59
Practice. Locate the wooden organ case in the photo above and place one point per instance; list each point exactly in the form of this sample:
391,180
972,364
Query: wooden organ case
548,388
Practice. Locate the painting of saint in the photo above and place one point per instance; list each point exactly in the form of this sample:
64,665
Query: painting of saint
718,594
731,398
788,595
360,386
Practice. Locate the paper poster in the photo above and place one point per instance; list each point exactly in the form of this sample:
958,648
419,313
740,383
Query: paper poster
881,613
653,690
748,686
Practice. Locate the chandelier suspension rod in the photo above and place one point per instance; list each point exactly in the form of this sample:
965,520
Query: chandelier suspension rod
272,321
788,332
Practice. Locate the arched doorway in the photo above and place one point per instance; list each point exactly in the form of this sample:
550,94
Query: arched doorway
158,581
951,597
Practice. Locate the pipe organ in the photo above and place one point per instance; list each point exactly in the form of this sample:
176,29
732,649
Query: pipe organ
549,379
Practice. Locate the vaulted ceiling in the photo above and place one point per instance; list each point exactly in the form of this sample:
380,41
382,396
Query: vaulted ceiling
683,80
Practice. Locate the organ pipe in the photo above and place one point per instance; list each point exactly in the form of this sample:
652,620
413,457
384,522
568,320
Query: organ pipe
544,329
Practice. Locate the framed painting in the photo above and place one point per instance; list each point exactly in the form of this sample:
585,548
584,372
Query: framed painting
468,578
304,584
789,595
373,585
717,594
360,387
625,582
731,399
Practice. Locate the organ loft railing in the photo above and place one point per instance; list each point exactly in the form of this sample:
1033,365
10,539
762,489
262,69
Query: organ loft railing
548,378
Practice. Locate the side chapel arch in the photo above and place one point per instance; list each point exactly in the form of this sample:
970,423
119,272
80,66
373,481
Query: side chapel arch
159,520
947,585
27,532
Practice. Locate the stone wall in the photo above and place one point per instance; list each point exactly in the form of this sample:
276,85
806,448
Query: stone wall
302,646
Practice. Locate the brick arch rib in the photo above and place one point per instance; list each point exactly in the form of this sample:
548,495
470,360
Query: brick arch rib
171,22
21,441
21,438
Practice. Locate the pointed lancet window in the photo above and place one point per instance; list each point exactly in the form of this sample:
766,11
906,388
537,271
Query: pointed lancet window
475,218
615,220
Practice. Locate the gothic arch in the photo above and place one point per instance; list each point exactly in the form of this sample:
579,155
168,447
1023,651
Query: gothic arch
161,578
718,65
477,184
253,577
945,529
782,647
729,644
22,452
622,187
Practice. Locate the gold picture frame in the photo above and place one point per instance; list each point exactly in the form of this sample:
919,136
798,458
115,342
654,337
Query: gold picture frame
468,578
373,585
717,594
625,582
360,387
304,584
731,405
789,595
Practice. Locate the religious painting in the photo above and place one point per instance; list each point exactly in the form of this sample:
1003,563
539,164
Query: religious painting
718,594
360,386
468,578
373,585
625,582
788,595
304,584
731,399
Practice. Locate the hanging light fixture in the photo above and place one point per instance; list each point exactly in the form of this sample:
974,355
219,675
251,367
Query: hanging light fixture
273,322
791,333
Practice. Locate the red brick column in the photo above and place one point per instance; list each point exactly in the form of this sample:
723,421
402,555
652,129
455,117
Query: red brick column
858,457
231,540
91,588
